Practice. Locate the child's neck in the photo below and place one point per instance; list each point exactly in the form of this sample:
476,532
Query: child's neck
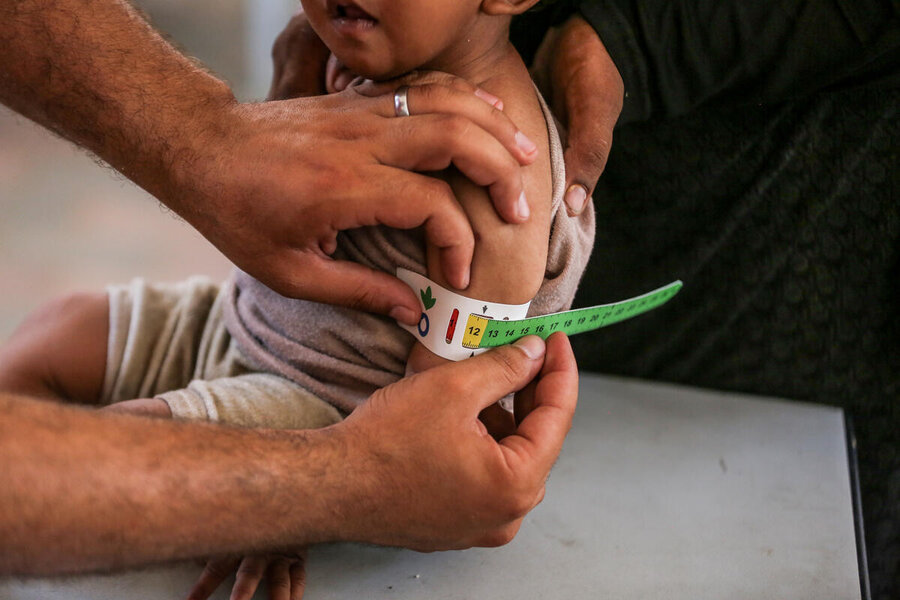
479,57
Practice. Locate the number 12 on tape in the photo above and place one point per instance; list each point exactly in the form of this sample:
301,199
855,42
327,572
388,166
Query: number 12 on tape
484,332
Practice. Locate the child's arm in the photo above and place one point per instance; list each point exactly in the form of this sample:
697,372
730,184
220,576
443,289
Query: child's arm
510,260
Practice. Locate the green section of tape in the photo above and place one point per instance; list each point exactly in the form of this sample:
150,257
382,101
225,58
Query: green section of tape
500,333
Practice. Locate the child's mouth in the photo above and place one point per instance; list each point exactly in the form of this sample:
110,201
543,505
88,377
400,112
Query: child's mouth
350,18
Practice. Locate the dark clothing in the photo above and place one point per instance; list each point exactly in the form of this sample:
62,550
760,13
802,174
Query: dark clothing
758,159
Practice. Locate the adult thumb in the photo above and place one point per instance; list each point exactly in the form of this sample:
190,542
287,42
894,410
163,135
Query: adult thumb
488,377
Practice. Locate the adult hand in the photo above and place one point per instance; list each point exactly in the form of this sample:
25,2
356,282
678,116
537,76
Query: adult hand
575,72
430,475
285,177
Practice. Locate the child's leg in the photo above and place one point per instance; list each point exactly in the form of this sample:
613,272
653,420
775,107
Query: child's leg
59,351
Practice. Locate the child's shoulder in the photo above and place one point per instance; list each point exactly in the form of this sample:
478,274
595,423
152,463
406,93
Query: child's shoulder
523,105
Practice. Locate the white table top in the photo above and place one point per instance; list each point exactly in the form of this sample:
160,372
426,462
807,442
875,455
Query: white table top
660,492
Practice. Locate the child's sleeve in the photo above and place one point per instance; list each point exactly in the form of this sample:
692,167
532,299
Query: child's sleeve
252,400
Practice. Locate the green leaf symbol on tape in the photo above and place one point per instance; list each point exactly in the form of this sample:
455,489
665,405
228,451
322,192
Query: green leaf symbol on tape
427,299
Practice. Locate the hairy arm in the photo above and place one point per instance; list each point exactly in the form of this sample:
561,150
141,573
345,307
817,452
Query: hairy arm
95,72
84,490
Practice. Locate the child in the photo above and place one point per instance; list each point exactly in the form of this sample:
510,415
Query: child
247,356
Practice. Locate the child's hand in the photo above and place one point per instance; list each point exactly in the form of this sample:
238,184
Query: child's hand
298,57
285,576
303,65
145,407
337,76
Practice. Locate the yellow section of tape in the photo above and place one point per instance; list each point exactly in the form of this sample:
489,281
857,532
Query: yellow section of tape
475,326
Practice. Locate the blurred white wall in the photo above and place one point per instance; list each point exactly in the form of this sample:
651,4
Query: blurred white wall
68,224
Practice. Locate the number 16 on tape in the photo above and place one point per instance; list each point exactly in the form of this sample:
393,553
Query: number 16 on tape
484,332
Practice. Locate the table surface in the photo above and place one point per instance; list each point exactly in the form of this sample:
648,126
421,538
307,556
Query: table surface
660,492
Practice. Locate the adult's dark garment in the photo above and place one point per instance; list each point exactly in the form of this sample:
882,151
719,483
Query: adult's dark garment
758,159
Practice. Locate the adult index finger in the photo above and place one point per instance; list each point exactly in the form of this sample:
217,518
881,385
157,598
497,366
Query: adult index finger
434,141
458,122
356,286
404,200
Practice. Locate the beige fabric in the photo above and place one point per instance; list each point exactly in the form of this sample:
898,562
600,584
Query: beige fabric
169,341
343,355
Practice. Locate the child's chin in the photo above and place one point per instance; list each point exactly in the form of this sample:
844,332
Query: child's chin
375,72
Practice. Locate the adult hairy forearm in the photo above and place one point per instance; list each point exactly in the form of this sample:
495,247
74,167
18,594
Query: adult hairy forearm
81,490
96,73
85,490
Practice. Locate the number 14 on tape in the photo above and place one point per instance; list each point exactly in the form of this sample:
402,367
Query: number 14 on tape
484,332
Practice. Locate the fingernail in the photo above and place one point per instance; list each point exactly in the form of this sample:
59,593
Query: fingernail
489,98
532,346
522,209
576,198
524,143
404,315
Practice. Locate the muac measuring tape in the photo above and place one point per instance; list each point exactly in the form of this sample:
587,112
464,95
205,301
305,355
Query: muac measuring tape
457,327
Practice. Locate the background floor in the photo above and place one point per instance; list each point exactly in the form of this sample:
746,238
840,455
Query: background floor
68,223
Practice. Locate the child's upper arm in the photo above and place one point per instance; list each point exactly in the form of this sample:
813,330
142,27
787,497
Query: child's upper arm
509,262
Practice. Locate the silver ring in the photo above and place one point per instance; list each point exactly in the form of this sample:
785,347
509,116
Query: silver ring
401,101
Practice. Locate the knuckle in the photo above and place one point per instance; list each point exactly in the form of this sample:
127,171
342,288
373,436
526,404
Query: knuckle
457,127
279,583
513,504
509,168
423,97
520,505
598,153
438,191
249,570
459,84
506,366
218,569
501,537
501,119
363,297
455,387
